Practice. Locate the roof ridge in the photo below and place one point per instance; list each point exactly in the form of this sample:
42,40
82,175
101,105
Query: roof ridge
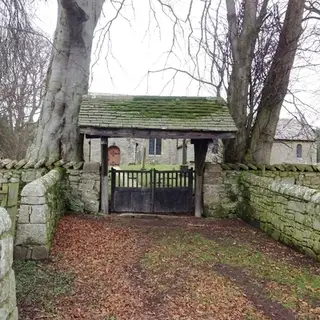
115,95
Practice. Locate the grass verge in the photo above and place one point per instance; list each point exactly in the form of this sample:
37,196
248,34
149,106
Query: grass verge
39,285
296,288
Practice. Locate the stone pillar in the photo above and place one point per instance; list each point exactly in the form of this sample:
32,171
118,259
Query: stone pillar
42,204
8,305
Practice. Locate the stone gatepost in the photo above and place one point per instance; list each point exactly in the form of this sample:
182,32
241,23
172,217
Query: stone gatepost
8,305
42,204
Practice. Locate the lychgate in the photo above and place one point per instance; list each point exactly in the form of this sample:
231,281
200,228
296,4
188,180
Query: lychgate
200,119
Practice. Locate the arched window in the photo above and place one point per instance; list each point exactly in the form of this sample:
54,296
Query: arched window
299,151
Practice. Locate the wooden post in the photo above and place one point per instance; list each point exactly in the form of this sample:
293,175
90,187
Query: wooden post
200,152
184,152
104,176
113,185
144,156
153,185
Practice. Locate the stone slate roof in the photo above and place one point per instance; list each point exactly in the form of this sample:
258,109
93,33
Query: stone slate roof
155,112
292,129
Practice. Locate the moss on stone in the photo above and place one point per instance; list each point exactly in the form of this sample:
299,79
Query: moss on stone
153,107
252,166
56,202
221,211
176,113
218,211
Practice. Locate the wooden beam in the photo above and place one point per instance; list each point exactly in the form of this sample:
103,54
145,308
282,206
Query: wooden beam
200,152
94,132
104,176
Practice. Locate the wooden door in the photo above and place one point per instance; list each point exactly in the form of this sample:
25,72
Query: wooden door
113,156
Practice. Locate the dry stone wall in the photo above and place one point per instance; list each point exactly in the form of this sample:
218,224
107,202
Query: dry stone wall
23,176
84,188
19,171
8,305
298,174
220,191
288,213
42,204
279,202
305,179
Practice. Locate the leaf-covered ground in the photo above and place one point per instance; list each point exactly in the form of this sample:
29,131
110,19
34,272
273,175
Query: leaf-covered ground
174,268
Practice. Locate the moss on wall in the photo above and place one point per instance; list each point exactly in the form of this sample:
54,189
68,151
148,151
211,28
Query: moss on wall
56,201
288,213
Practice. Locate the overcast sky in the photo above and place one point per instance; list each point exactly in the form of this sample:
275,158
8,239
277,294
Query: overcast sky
137,51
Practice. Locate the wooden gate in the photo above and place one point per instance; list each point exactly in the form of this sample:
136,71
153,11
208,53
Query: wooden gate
152,191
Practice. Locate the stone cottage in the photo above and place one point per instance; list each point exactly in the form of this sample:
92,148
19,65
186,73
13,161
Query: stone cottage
295,142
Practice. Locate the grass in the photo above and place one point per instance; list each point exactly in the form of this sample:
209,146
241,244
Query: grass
40,285
295,287
160,167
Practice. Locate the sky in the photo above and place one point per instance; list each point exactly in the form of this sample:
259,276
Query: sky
135,53
137,48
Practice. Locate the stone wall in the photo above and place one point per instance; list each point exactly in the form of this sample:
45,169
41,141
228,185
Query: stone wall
8,305
23,176
84,188
275,200
299,174
289,213
220,191
310,179
42,203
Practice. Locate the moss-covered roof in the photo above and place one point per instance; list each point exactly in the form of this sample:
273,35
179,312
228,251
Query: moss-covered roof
155,112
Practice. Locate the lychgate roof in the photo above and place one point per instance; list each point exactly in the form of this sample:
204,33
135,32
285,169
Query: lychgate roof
156,112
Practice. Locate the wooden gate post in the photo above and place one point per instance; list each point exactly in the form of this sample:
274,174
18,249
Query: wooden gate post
153,182
200,152
104,176
113,185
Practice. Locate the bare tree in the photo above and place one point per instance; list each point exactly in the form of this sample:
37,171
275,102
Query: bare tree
252,73
21,92
245,52
24,55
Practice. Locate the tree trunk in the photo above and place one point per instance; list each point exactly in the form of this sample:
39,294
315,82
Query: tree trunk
67,80
242,47
276,86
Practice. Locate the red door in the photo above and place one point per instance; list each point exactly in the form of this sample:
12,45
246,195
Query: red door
113,156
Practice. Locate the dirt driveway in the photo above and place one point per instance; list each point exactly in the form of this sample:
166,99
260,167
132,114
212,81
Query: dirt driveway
174,268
